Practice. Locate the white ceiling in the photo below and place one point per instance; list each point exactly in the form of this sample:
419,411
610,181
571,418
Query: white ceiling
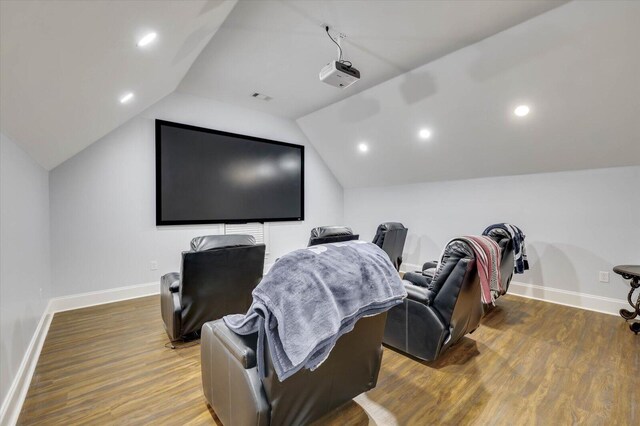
65,64
278,47
577,66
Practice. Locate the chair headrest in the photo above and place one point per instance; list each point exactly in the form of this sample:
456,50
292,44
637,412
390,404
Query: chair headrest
498,234
388,226
330,231
383,228
210,242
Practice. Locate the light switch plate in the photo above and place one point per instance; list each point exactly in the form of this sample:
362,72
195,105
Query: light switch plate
603,276
154,265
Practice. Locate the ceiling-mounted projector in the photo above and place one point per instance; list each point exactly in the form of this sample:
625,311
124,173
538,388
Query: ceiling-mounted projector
339,75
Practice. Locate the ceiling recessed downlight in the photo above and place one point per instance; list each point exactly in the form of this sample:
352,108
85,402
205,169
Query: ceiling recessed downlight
126,98
424,133
521,110
147,39
363,147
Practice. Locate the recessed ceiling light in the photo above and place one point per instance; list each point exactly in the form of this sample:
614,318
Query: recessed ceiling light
521,110
126,98
424,133
363,147
147,39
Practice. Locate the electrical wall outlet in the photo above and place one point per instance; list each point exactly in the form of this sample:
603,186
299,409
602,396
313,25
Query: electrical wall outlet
603,276
154,265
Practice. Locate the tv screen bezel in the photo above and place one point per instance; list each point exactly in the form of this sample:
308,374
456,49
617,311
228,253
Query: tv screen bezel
161,222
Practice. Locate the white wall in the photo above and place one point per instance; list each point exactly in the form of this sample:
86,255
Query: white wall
103,200
576,223
24,255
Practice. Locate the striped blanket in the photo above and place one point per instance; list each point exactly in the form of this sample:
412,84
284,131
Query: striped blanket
520,261
487,253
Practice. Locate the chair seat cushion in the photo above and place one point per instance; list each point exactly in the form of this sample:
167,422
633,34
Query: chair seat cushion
417,293
418,278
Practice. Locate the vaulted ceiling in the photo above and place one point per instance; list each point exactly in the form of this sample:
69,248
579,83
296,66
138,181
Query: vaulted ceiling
577,68
455,67
278,47
65,64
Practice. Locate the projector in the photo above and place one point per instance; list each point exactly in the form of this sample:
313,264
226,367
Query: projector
339,75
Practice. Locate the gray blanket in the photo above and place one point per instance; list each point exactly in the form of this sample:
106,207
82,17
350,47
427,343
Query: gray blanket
311,297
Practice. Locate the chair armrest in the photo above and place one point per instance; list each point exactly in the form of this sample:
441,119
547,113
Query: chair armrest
242,348
172,281
419,294
429,265
417,278
233,390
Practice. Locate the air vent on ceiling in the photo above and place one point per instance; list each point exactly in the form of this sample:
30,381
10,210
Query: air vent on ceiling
261,96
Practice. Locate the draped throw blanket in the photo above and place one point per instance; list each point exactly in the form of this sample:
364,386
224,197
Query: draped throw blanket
487,253
520,261
311,297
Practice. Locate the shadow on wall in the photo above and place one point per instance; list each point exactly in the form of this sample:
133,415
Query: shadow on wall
552,265
416,86
418,250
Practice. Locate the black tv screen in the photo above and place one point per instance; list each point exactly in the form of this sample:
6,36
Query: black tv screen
210,176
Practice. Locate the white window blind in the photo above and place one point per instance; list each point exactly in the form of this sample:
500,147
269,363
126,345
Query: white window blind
255,229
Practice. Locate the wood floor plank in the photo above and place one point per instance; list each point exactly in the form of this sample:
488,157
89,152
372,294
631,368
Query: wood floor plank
530,363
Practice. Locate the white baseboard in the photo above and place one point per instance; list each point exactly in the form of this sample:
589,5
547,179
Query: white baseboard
83,300
605,305
12,404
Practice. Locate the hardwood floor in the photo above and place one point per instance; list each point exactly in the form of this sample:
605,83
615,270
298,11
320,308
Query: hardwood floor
529,363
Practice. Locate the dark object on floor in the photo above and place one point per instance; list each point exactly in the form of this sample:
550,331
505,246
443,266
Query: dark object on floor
439,310
331,234
240,396
390,237
218,275
632,273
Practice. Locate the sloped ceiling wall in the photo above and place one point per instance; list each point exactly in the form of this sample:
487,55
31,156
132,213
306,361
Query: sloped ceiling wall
65,64
576,66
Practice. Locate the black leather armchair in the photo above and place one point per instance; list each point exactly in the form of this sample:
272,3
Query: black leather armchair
218,275
241,397
390,237
331,234
440,310
504,240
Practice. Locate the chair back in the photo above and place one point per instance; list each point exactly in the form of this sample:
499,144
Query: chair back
331,234
504,240
351,369
390,237
217,278
458,293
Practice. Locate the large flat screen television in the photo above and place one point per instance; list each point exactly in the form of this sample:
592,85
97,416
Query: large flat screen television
210,176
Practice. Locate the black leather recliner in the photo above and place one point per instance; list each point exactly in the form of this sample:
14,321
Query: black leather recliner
438,311
390,237
241,397
331,234
218,275
504,240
